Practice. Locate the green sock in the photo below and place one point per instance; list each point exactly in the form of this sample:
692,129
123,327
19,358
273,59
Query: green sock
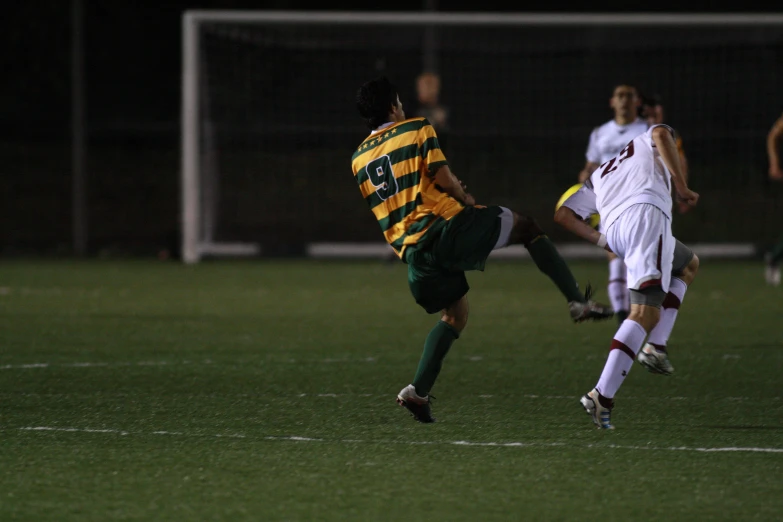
435,349
549,261
777,252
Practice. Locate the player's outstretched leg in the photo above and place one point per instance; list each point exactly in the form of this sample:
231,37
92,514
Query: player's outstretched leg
627,342
772,262
617,288
655,356
526,232
416,396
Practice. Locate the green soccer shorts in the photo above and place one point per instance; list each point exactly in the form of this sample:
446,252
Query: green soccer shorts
436,270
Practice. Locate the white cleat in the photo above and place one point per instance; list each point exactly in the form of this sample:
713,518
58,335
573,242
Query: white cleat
419,407
655,360
771,272
602,417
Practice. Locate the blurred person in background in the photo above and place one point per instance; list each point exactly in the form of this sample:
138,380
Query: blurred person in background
606,142
430,107
774,257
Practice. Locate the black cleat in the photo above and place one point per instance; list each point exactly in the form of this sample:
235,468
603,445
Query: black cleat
418,406
589,310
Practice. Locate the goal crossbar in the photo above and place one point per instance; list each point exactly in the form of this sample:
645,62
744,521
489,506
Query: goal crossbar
480,19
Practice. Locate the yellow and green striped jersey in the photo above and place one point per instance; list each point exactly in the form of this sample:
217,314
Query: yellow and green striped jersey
395,169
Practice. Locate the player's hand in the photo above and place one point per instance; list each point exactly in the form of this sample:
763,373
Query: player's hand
468,199
688,196
776,173
683,207
583,175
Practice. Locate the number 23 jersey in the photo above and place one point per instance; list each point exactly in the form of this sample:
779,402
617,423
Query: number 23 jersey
637,175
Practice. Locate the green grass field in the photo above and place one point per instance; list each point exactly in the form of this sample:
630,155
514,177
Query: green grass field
265,391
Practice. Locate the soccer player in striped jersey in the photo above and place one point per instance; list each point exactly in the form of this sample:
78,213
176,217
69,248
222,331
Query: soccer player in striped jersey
774,257
632,192
606,141
437,229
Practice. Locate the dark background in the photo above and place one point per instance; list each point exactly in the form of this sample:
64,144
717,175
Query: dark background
132,109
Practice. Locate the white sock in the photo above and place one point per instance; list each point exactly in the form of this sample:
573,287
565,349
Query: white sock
619,295
659,335
626,344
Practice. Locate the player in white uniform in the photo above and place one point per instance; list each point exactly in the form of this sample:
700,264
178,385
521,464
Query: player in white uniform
606,142
632,194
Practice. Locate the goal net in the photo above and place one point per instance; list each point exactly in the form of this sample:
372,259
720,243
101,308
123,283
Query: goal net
269,121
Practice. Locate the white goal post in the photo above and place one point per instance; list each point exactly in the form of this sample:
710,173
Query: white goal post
197,215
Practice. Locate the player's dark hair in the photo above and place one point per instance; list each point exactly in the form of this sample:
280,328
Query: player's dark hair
375,100
642,109
648,100
652,100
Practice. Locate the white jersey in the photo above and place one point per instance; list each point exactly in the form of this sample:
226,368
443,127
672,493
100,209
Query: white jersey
609,139
636,175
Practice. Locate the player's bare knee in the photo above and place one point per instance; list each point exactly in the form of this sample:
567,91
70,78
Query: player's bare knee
525,230
458,321
647,316
456,315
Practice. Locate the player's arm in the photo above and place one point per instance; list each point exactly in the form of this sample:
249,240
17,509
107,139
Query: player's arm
437,168
683,158
568,219
573,213
684,163
773,139
682,206
667,148
449,184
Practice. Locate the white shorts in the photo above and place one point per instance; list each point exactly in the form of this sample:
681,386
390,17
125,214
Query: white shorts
642,237
506,224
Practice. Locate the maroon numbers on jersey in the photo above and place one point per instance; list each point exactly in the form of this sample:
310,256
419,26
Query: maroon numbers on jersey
611,165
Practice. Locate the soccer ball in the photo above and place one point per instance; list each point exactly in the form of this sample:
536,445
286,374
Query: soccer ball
593,220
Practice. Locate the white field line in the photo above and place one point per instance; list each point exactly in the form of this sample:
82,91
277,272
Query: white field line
32,366
387,395
99,364
727,449
546,397
327,360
